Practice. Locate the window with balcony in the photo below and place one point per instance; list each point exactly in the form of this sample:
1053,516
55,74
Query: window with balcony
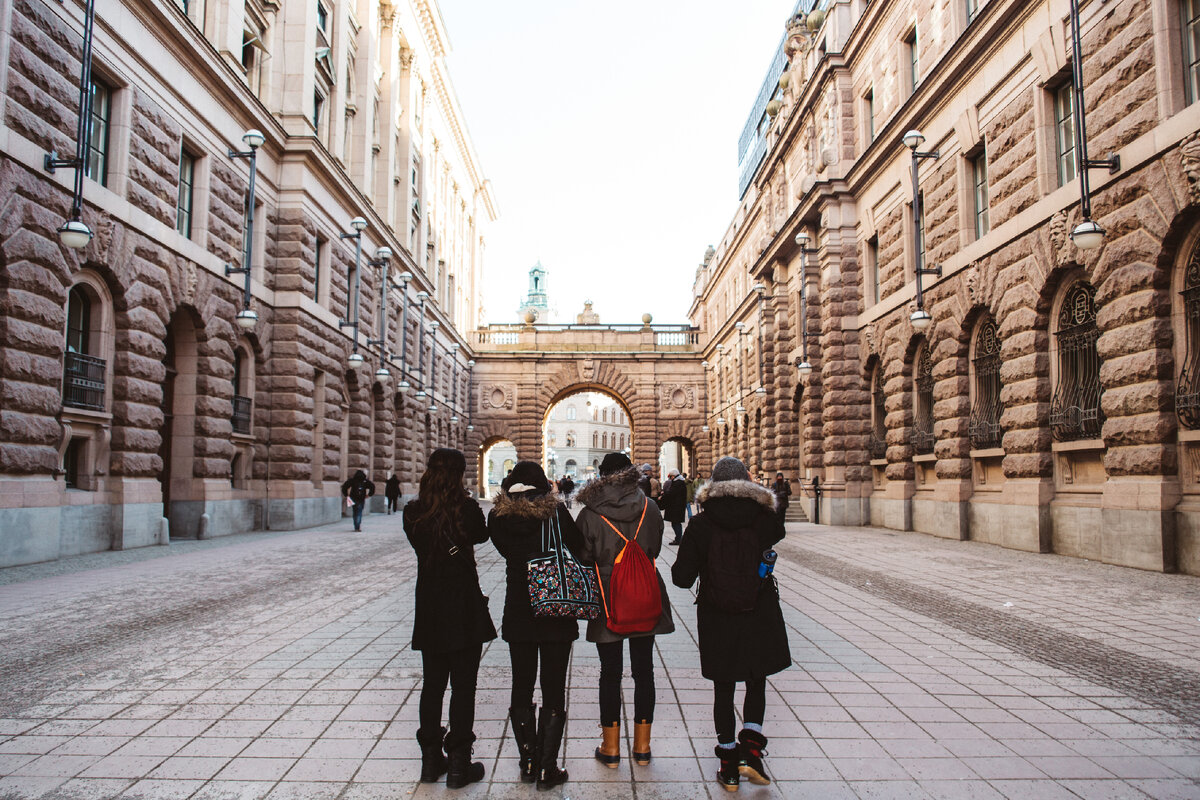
83,371
923,402
96,166
1064,133
1187,393
1075,407
986,406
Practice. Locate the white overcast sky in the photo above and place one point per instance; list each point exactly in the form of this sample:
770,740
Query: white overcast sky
609,132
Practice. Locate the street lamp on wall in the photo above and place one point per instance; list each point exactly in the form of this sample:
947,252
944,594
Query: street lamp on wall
74,232
742,332
761,290
804,367
433,329
470,380
421,298
246,318
359,225
705,366
920,319
403,385
454,348
1087,235
382,256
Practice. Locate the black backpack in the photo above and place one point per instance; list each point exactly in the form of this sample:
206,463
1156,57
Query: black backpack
731,583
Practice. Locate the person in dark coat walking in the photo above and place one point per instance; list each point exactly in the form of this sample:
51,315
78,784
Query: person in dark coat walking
391,490
358,489
782,489
615,501
451,621
674,504
518,524
735,647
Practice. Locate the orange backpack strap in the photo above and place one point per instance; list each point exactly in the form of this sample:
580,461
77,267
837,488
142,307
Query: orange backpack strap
638,530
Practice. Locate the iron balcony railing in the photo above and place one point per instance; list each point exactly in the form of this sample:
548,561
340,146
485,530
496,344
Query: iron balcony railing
241,414
83,381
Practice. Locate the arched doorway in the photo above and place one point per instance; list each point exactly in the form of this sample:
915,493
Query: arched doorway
580,426
678,453
496,457
177,448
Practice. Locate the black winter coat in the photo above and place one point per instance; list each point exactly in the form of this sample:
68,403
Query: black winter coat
515,525
674,501
734,647
451,611
358,488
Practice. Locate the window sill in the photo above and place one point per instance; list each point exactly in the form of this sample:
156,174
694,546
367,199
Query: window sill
925,458
86,414
991,452
244,438
879,462
1080,445
1186,435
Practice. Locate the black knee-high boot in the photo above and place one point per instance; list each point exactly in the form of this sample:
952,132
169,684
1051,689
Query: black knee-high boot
551,723
524,731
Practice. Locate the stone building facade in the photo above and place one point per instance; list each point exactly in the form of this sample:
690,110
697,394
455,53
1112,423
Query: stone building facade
132,407
1051,405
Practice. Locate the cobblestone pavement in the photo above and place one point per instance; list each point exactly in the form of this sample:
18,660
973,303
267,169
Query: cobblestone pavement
277,666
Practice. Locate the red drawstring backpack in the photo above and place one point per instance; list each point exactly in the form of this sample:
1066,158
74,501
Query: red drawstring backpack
635,601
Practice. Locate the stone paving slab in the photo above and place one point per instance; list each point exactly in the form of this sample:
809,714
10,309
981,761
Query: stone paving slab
277,666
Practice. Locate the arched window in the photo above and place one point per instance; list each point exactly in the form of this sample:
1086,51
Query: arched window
622,445
604,415
604,441
986,409
878,441
84,370
572,467
595,438
1187,397
1075,408
923,402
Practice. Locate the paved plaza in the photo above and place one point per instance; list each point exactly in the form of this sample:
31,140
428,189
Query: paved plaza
277,665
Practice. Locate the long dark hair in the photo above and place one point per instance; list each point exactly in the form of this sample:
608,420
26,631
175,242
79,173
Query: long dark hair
441,490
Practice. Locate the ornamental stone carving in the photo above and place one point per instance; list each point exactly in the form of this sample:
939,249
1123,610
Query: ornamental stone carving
678,396
497,396
1189,151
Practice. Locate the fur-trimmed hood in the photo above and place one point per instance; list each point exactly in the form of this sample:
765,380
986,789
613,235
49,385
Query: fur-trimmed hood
540,507
615,496
747,490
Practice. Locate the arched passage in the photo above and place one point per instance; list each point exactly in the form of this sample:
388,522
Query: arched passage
497,454
580,425
177,448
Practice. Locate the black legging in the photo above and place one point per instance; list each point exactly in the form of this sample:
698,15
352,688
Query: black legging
641,664
524,658
461,669
754,707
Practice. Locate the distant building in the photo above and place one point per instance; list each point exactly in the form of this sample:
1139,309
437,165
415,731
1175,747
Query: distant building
538,299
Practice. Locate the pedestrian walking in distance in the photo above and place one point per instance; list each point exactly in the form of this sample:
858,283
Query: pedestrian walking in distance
782,489
674,503
617,515
391,490
739,623
358,489
517,524
451,622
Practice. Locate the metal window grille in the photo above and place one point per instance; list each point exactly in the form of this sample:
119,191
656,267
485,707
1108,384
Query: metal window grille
878,441
1075,409
923,416
83,381
1191,49
1187,395
241,414
1064,132
985,416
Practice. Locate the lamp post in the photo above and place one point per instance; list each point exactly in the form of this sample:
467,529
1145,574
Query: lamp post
454,348
74,232
359,224
433,329
470,381
742,332
761,290
403,385
920,319
706,366
382,256
804,367
421,298
247,318
1087,235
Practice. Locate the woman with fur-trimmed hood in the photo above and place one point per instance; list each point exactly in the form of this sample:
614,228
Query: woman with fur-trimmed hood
524,506
615,501
739,621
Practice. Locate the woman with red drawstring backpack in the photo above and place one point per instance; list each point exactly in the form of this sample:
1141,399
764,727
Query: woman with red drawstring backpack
616,518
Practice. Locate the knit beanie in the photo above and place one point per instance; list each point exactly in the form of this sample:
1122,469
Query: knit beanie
614,462
729,469
526,476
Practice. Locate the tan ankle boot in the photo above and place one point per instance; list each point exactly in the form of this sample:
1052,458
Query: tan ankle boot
609,751
641,743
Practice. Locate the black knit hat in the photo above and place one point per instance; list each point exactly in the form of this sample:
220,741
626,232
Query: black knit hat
526,474
614,462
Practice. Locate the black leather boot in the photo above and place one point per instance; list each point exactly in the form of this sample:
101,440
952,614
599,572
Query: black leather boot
753,746
551,723
460,770
433,761
524,731
728,775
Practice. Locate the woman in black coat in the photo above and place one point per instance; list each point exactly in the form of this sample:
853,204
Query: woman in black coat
451,622
736,646
518,524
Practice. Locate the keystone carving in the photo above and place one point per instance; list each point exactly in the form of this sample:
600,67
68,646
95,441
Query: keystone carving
1189,150
1058,238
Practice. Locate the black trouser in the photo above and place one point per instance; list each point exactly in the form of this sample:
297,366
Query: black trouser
641,664
461,669
392,503
754,707
524,658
